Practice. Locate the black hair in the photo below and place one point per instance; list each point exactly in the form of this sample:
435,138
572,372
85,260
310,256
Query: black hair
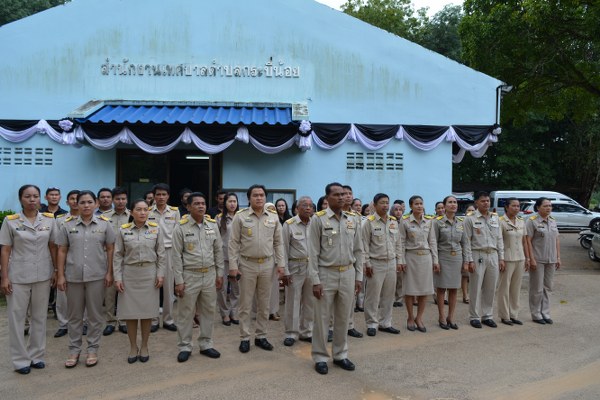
347,187
399,202
329,186
104,189
320,203
481,194
72,192
539,202
118,190
379,196
355,199
147,193
220,192
363,208
133,203
255,186
446,200
413,198
184,191
161,186
193,195
52,189
87,193
25,187
508,201
439,202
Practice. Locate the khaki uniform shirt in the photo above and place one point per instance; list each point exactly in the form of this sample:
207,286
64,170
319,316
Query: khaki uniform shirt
86,257
196,245
381,239
295,246
116,220
543,234
450,236
139,246
484,233
417,235
255,236
30,260
167,220
333,242
512,236
225,234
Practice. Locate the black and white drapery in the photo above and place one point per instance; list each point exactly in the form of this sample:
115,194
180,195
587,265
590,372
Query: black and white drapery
211,139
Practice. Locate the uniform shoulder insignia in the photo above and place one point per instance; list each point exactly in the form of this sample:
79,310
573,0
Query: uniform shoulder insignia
519,217
70,218
174,208
219,215
241,210
11,217
406,216
371,218
48,215
393,218
290,221
428,217
502,218
460,218
60,216
103,218
183,221
271,211
551,217
152,224
440,217
469,213
127,225
321,213
210,219
533,217
494,213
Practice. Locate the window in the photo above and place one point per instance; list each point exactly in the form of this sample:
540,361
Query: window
374,161
24,156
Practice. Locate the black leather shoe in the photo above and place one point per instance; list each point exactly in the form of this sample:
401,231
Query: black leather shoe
245,346
371,332
25,332
23,371
226,323
354,333
398,304
548,321
359,309
132,359
123,329
170,327
421,329
144,358
321,367
84,331
443,325
411,328
153,328
451,325
330,336
507,322
288,341
183,356
61,332
210,353
306,339
263,344
539,321
475,323
274,317
345,364
516,321
108,330
390,329
489,322
235,321
38,365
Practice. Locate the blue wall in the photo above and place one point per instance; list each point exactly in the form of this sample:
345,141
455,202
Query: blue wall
83,168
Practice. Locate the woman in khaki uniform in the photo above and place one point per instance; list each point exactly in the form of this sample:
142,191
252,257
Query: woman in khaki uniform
516,258
228,300
26,261
85,252
139,270
418,257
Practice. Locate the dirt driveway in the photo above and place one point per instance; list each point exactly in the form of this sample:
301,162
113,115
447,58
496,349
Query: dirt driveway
561,361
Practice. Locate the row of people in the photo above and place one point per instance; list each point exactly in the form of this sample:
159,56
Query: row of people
320,258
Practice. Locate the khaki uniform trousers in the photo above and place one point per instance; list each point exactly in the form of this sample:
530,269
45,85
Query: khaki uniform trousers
81,297
379,296
540,286
61,309
482,284
399,294
509,289
21,352
200,295
228,302
299,303
337,301
168,313
110,302
257,279
274,302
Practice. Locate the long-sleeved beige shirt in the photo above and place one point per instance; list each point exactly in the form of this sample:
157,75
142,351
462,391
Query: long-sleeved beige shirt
450,236
417,235
543,234
483,233
512,236
381,239
167,220
295,244
139,246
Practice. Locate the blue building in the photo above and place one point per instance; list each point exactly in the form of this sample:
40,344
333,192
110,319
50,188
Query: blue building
291,94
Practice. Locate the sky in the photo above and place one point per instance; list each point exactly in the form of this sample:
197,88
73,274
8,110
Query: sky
434,5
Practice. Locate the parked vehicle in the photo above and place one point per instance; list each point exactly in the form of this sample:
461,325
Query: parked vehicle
570,216
498,198
585,238
594,250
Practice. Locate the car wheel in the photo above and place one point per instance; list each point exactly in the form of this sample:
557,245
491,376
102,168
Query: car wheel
592,254
595,225
585,242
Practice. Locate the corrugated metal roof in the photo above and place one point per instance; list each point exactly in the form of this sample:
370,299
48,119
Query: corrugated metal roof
192,115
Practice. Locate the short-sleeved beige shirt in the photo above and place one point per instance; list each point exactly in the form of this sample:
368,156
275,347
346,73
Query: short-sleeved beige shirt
167,220
381,239
417,235
543,234
295,245
484,233
450,236
512,236
135,246
196,245
86,256
30,260
116,220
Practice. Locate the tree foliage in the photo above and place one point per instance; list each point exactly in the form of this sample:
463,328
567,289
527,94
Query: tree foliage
12,10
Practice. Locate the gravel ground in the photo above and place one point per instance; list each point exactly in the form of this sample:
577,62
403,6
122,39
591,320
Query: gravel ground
527,362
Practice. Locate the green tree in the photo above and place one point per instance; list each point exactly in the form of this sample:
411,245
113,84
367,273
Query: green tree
12,10
440,33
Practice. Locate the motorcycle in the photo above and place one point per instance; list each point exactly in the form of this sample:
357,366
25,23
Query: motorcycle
585,238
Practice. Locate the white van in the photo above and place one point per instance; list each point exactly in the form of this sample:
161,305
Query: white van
498,198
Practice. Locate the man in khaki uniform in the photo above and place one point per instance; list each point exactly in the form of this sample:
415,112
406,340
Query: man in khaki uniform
298,292
382,246
198,270
335,266
482,229
255,248
117,216
166,217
